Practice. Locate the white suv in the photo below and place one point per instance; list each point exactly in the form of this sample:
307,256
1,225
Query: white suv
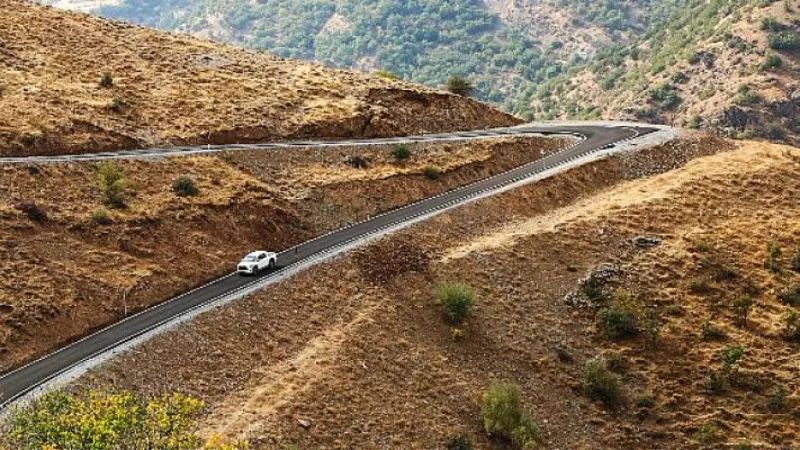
255,262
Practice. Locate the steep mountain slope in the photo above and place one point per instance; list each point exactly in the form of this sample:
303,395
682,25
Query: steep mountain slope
163,88
691,62
506,47
362,357
731,65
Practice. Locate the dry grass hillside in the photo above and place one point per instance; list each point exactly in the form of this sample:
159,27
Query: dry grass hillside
360,356
170,89
71,263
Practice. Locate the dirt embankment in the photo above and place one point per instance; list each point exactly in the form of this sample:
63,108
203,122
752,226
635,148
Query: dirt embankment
362,355
164,89
67,273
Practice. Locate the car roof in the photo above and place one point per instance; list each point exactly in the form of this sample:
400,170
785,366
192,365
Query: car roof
256,253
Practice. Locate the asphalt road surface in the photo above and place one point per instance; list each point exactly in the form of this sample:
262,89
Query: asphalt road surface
17,383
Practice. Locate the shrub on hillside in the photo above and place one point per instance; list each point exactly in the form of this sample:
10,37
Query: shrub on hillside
460,86
772,24
460,442
771,62
401,152
618,321
101,421
790,296
747,96
456,301
796,262
731,356
357,162
184,186
101,217
772,262
503,415
112,184
106,80
777,401
711,332
791,326
708,434
784,40
599,383
32,211
742,305
432,173
665,96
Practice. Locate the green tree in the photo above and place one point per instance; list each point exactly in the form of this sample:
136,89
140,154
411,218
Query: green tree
460,86
112,184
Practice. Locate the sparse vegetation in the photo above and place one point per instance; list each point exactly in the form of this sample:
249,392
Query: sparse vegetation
777,401
103,421
719,380
771,62
619,320
699,286
747,96
742,305
460,442
772,262
460,86
790,296
432,173
185,186
771,24
456,301
708,434
106,80
504,416
401,152
730,357
118,105
791,326
112,184
32,211
601,384
665,96
358,162
101,217
796,261
711,332
784,40
651,326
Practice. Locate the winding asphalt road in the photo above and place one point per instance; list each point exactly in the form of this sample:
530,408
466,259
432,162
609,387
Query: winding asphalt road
17,383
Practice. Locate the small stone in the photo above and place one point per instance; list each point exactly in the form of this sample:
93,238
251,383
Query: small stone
646,242
305,423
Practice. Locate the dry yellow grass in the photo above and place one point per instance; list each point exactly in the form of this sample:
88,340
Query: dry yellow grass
370,363
170,88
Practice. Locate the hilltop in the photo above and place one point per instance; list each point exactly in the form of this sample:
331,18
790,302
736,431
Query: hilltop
729,65
73,83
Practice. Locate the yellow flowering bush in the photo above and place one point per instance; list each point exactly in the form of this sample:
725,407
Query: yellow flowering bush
105,421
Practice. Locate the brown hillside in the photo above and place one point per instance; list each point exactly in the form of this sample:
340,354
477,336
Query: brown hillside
362,356
67,273
173,89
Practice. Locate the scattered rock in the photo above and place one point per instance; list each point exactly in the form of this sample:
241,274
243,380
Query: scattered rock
646,242
304,423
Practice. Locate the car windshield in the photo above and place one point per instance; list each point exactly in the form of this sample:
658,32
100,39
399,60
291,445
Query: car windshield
250,258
